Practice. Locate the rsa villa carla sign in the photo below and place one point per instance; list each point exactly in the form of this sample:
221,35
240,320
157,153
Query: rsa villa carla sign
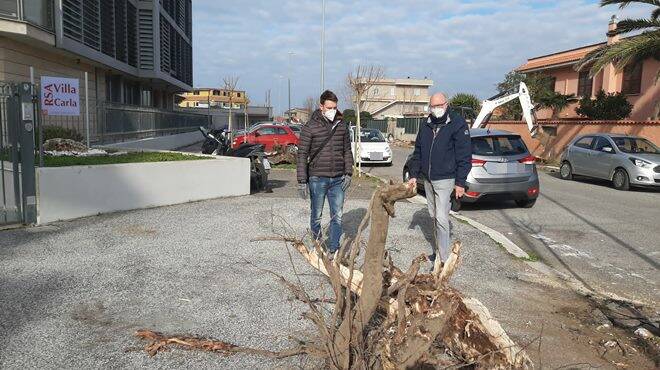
60,96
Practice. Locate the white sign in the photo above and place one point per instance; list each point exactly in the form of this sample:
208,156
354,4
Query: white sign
60,96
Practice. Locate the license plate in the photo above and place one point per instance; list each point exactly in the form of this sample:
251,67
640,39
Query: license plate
266,163
504,168
376,156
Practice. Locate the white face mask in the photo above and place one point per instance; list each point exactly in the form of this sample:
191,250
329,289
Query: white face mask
330,114
438,112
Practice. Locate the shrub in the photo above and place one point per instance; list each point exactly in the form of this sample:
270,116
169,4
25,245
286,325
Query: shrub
466,101
58,132
613,106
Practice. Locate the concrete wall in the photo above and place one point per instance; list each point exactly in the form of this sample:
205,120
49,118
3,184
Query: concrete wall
66,193
550,147
169,142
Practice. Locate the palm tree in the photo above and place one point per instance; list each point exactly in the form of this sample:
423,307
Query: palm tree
556,102
629,50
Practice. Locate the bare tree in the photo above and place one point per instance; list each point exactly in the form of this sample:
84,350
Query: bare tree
230,87
310,104
361,81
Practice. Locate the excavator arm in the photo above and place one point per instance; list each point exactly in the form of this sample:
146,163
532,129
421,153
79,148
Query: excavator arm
528,109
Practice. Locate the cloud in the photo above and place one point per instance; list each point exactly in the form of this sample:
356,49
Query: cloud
464,46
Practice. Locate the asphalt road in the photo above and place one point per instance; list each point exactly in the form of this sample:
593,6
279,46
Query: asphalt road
607,239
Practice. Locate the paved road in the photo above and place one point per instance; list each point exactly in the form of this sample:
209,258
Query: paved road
607,239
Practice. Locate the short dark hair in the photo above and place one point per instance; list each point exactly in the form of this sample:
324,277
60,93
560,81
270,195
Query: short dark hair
328,95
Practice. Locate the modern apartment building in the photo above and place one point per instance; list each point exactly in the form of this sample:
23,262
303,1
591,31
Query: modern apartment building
215,97
136,52
398,98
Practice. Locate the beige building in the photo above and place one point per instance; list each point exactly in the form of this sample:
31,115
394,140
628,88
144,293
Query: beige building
398,98
137,53
217,98
298,115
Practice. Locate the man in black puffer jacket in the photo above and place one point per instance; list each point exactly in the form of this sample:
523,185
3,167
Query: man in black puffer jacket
325,166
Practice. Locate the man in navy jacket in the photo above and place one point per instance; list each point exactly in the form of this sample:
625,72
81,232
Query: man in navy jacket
443,159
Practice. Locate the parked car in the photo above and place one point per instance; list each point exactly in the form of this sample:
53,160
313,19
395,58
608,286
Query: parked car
269,135
502,168
296,129
625,160
374,149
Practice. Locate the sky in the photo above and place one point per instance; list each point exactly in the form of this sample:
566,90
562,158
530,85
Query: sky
463,46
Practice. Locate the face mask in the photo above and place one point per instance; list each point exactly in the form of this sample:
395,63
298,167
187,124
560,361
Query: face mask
330,114
438,112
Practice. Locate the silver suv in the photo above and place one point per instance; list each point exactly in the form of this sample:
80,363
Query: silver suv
502,168
625,160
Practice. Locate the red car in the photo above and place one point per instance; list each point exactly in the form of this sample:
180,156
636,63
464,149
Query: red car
269,135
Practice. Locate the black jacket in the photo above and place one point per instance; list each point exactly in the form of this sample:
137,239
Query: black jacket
335,159
443,151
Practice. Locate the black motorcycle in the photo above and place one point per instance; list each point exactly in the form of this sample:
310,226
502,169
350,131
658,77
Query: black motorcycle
218,143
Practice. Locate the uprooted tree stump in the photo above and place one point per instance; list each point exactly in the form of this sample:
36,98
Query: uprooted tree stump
383,317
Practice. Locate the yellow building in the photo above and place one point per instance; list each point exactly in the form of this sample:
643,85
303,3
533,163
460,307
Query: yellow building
217,98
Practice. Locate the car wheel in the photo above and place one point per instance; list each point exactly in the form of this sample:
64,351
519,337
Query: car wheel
620,180
566,171
526,203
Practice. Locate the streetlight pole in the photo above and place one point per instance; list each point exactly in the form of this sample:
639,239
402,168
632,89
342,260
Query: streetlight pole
323,47
289,73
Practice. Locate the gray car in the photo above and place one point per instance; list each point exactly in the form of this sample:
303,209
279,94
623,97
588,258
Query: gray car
502,168
625,160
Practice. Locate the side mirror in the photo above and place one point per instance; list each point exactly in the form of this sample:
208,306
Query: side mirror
608,149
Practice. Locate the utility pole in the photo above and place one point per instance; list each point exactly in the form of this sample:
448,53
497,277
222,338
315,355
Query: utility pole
323,48
289,73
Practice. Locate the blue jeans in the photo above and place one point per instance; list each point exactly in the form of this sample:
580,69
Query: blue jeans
319,189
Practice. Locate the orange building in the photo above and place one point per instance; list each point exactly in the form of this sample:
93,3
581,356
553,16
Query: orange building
637,81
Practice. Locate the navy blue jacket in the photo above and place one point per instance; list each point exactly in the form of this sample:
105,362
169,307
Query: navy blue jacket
445,154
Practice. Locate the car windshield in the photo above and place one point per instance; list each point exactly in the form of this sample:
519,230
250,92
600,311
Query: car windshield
635,145
295,128
498,145
371,136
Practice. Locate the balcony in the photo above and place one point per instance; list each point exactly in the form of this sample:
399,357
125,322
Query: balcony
38,13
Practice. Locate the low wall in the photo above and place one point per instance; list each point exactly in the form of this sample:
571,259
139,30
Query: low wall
552,145
168,142
66,193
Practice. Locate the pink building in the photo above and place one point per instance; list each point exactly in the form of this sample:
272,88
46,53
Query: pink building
637,82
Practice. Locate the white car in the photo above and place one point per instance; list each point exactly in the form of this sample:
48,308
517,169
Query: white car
374,149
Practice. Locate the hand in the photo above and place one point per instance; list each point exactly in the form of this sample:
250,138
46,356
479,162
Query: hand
345,183
303,190
412,182
460,191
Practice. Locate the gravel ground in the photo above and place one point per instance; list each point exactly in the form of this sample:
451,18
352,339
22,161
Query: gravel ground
73,293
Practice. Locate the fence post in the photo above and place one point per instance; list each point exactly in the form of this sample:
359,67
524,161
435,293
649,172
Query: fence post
87,108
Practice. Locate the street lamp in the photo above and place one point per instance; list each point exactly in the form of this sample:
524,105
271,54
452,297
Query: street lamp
323,47
289,73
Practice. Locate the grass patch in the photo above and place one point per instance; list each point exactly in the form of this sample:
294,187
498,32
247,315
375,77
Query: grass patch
285,166
532,257
137,157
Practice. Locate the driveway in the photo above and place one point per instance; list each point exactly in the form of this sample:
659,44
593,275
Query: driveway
607,239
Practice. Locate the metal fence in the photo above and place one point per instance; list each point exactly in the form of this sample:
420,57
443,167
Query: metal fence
378,124
120,122
411,125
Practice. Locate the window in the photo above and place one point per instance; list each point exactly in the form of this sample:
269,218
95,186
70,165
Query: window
551,81
9,8
216,92
635,145
224,93
498,145
584,143
266,131
281,131
392,91
238,95
602,142
584,84
632,79
38,12
375,91
417,92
